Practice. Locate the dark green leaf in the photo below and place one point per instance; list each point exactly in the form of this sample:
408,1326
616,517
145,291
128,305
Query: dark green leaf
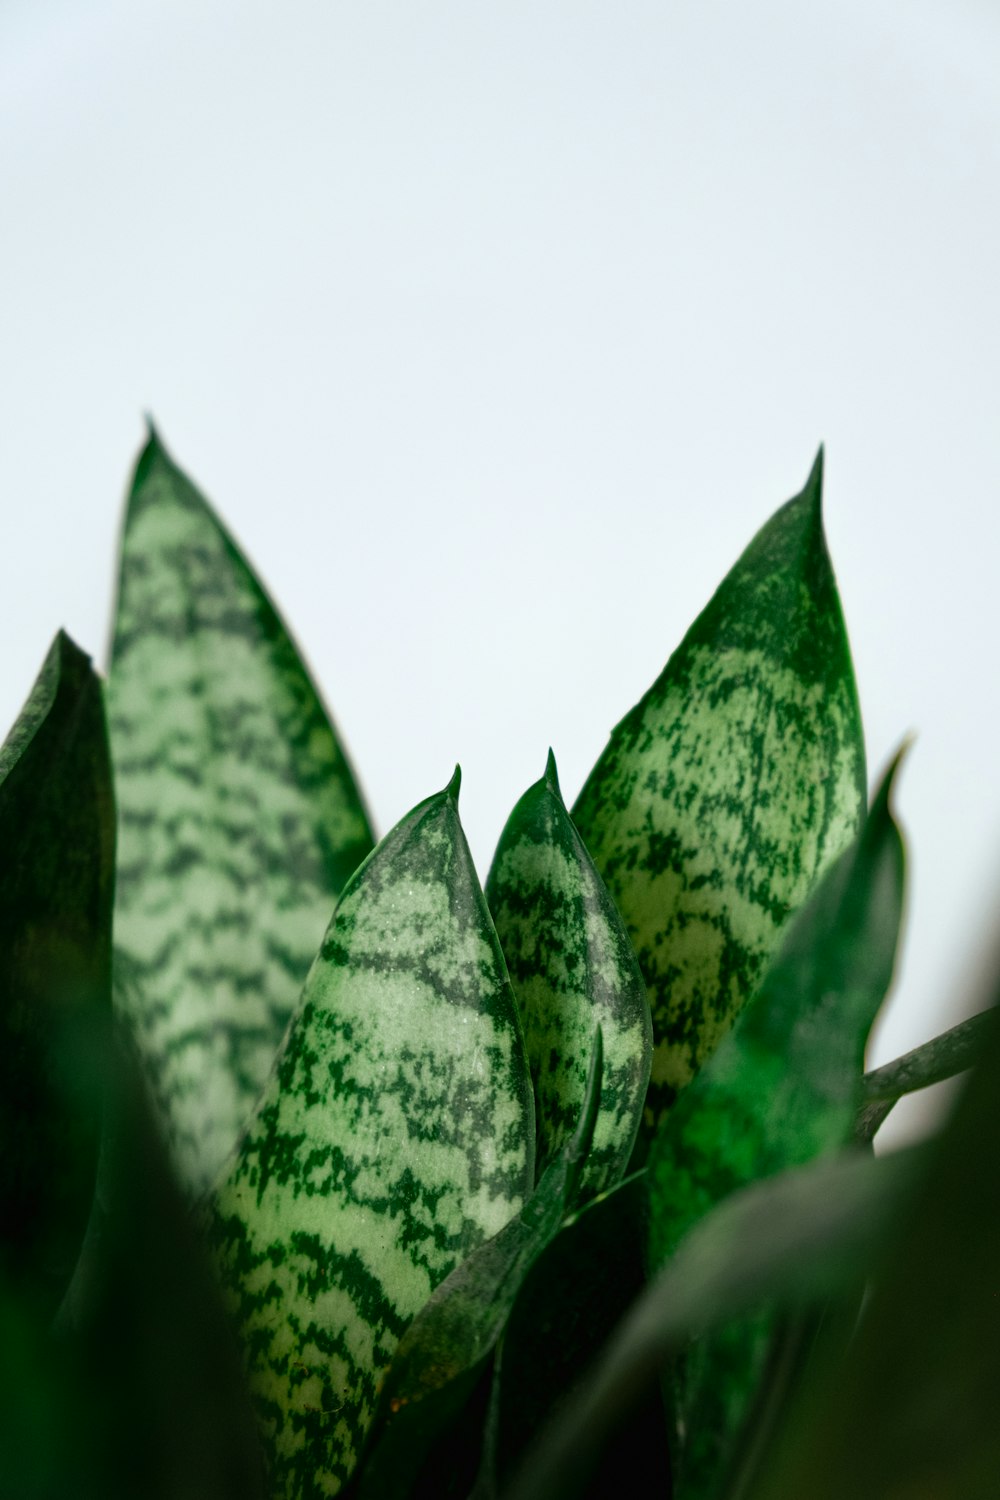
932,1062
572,967
788,1242
912,1411
396,1135
571,1302
731,785
782,1087
449,1343
56,883
239,817
160,1406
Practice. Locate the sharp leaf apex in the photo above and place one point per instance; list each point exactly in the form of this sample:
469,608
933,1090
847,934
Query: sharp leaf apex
552,774
454,786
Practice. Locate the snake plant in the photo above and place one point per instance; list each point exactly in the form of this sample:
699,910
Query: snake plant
327,1169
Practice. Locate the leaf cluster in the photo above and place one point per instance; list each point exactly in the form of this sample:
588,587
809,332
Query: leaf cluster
325,1169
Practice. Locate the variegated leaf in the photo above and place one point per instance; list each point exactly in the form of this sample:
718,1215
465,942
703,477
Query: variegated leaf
239,817
572,967
395,1136
451,1340
729,787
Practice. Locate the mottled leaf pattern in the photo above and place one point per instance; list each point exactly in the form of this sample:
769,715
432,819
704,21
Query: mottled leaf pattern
729,787
782,1088
449,1342
572,967
56,882
395,1136
239,817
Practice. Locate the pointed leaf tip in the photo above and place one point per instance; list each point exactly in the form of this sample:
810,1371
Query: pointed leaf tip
887,781
454,786
552,775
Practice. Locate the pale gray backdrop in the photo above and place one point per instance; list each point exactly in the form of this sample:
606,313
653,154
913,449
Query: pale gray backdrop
495,330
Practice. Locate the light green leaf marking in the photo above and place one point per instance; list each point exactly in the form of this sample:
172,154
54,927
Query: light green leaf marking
395,1136
729,787
782,1088
239,819
572,967
450,1342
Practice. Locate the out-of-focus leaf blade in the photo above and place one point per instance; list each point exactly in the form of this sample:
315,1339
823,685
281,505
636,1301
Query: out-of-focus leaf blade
239,818
56,883
912,1411
396,1135
789,1241
729,788
572,967
932,1062
782,1088
449,1343
160,1406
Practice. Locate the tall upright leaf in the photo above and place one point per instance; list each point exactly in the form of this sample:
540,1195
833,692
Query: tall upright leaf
572,967
396,1135
56,883
239,817
729,787
782,1088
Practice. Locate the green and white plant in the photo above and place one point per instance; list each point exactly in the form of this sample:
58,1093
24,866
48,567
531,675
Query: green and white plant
325,1170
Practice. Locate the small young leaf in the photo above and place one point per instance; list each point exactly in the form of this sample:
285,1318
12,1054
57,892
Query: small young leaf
396,1135
932,1062
912,1410
56,883
782,1088
729,787
449,1343
789,1241
572,967
239,817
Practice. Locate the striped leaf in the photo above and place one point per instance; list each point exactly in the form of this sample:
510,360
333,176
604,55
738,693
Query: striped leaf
943,1057
396,1135
572,967
239,820
450,1342
56,882
729,787
782,1088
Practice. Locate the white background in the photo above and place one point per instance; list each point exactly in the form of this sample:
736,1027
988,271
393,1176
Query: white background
495,331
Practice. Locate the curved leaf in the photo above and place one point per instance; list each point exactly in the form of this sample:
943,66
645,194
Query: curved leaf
572,967
395,1136
912,1410
239,816
56,883
729,787
782,1088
